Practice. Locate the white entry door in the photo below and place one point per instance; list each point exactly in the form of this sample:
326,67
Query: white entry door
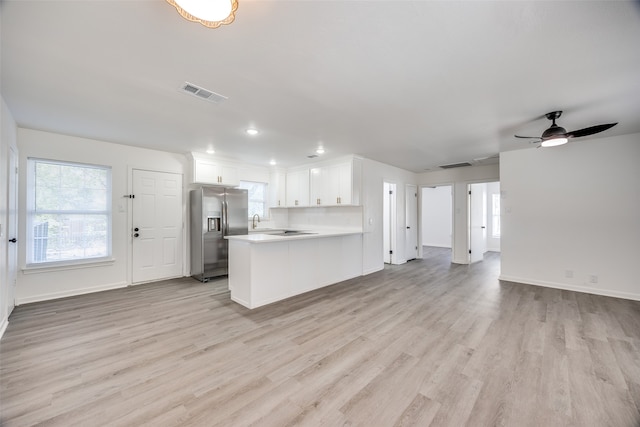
12,229
477,221
411,231
157,230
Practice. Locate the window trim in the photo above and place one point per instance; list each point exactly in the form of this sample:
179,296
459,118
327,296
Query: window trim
47,267
35,267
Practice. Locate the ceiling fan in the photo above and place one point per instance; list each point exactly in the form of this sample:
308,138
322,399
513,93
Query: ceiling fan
557,135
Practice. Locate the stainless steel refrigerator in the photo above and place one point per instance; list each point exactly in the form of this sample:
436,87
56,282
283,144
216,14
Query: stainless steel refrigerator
216,212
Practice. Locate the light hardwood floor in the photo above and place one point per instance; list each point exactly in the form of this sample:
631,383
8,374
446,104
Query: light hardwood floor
423,344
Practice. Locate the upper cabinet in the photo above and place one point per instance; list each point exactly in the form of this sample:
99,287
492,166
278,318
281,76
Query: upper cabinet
336,184
277,189
207,171
298,188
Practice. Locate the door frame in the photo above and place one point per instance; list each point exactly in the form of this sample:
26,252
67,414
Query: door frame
11,231
473,222
411,193
452,217
389,221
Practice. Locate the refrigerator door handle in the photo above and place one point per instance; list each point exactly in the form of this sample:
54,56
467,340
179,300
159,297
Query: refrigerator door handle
225,219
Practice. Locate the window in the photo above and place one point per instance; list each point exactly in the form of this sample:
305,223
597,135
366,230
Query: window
495,216
257,197
68,212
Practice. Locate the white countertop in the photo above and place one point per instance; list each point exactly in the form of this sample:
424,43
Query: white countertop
256,237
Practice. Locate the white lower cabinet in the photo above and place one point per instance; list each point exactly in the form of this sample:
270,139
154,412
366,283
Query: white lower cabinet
266,272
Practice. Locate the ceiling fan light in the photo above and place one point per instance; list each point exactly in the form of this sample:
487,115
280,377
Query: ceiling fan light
210,13
554,142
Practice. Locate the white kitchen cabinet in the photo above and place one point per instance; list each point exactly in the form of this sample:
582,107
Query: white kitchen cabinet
298,188
265,271
318,186
337,184
277,189
206,171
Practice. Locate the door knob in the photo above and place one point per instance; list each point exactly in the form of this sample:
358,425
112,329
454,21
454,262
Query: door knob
13,240
136,235
136,229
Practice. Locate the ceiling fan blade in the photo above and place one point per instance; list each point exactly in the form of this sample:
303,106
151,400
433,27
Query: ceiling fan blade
527,137
590,130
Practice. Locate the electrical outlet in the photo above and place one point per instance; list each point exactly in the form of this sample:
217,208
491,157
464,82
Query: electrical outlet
593,279
568,274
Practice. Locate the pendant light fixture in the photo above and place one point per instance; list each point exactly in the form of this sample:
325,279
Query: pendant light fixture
210,13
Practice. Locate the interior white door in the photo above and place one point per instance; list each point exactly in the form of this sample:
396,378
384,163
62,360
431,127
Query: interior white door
411,216
157,231
477,221
12,229
389,222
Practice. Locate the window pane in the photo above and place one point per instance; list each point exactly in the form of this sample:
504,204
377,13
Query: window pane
257,192
70,211
69,237
70,188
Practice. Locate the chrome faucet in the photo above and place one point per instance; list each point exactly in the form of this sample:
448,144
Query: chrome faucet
253,220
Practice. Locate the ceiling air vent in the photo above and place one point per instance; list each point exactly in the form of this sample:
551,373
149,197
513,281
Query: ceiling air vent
202,93
455,165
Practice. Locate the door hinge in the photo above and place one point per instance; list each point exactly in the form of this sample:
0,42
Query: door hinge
390,192
390,252
469,192
469,250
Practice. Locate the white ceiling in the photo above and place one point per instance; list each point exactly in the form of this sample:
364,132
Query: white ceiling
414,84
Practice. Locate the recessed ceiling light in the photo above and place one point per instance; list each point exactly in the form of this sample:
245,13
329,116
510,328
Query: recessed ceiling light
320,150
211,151
272,162
252,131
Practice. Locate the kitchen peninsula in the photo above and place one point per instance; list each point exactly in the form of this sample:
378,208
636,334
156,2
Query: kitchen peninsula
265,268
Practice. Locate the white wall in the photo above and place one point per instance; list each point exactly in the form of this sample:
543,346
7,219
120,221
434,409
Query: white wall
59,283
573,211
437,214
373,176
7,139
460,178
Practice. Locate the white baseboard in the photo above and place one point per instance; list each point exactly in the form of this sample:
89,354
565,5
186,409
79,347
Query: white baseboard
567,287
69,293
3,326
373,270
157,280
